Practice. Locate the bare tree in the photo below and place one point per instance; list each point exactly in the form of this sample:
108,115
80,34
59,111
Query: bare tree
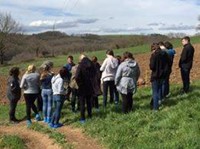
7,26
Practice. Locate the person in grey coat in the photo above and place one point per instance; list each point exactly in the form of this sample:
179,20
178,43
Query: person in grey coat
13,92
126,78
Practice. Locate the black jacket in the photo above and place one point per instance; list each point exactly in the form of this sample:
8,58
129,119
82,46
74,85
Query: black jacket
160,65
13,88
187,56
85,77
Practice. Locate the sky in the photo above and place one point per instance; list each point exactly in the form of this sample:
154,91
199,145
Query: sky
105,16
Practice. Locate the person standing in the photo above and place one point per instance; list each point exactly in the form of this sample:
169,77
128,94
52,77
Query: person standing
126,78
84,77
13,92
47,95
59,93
186,62
159,65
30,83
108,69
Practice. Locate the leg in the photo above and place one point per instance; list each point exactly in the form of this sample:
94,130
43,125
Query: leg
116,95
44,99
185,74
73,100
105,93
155,89
28,106
111,88
89,106
49,104
130,101
33,106
82,107
58,110
13,105
39,102
124,103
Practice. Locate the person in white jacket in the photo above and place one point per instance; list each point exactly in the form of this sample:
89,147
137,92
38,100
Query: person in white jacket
58,97
108,68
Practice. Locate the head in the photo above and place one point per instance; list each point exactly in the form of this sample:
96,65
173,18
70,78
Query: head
31,69
128,55
81,57
185,40
110,52
94,59
162,45
63,72
168,45
155,47
70,59
49,63
14,72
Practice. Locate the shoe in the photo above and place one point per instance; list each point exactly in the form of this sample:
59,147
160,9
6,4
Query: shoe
51,125
58,125
45,120
82,121
29,123
14,122
37,117
48,120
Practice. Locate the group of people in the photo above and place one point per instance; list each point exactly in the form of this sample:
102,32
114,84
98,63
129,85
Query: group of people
82,83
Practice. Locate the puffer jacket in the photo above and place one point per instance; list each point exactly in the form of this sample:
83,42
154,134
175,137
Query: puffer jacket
126,77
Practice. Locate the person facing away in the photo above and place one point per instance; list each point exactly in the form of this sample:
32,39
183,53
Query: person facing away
108,69
186,62
30,83
159,65
84,77
126,78
46,93
59,93
13,92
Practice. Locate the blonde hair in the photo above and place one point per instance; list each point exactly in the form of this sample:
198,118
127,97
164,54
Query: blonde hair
81,57
31,69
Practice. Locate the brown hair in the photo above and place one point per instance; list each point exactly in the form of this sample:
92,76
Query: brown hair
186,38
110,52
94,59
128,55
14,71
155,47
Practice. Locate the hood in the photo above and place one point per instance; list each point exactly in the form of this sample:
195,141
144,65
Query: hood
113,62
55,78
131,63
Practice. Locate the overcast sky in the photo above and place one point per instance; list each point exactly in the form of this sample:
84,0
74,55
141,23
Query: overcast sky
105,16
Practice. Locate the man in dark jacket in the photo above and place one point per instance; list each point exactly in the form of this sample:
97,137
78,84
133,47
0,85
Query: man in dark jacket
85,76
186,62
159,65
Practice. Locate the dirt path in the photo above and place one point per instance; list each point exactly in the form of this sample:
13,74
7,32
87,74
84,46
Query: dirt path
33,139
78,139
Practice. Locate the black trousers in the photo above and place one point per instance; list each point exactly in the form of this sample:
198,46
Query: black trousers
127,102
88,101
39,102
185,74
95,102
30,99
13,105
75,100
111,86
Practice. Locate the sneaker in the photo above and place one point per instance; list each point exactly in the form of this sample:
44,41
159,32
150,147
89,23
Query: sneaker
51,125
48,120
37,117
82,121
29,123
58,125
45,120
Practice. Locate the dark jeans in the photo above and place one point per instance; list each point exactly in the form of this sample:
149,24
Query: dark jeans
39,102
111,86
30,99
185,74
95,102
13,105
85,100
165,87
116,95
58,101
157,91
127,102
75,100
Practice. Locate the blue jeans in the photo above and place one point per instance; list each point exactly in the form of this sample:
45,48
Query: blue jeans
185,74
157,91
47,99
165,87
58,100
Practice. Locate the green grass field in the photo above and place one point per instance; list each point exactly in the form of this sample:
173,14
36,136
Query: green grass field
176,125
59,61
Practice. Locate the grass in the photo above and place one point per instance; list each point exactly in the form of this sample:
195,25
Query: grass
12,142
59,61
176,125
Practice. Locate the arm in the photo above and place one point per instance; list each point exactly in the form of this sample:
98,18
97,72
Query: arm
152,62
22,82
118,75
103,66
